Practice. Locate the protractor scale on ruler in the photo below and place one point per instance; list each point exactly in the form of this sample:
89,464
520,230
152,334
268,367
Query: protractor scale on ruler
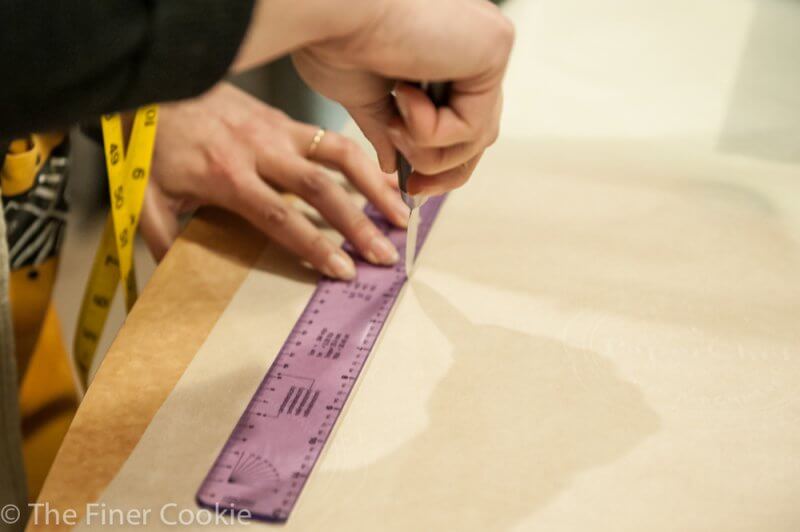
273,448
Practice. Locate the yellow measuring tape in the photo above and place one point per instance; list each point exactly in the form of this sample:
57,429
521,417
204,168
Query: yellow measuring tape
128,173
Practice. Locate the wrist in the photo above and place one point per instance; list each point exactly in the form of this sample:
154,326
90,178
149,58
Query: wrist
278,27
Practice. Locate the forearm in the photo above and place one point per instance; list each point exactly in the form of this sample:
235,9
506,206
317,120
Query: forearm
67,61
281,26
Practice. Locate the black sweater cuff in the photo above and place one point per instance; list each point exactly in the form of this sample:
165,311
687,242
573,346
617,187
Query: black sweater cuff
71,61
193,44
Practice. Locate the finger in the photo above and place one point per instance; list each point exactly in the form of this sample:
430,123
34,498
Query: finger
432,161
391,180
425,124
310,181
269,212
158,223
434,185
372,120
344,155
367,97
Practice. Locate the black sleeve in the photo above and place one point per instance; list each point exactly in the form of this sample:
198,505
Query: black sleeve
62,61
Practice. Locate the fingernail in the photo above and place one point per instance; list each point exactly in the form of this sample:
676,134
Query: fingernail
341,266
390,166
401,213
382,251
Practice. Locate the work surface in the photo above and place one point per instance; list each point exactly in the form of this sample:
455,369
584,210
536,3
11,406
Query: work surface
602,333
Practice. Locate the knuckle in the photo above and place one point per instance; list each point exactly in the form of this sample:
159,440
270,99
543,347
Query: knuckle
426,163
346,149
248,129
465,170
422,136
501,34
221,168
220,162
494,134
505,34
317,242
362,226
317,249
314,184
275,215
272,114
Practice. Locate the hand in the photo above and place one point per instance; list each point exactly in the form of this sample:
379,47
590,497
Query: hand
353,52
228,149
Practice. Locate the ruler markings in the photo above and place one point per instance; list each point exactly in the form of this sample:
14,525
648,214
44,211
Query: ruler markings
265,462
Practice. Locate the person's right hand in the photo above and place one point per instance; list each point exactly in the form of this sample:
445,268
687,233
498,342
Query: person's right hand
354,51
467,42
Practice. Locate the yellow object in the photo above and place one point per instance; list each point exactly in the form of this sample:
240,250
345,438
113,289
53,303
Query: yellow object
128,174
48,396
48,402
30,288
24,160
33,264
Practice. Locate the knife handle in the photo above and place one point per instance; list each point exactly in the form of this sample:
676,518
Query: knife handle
439,93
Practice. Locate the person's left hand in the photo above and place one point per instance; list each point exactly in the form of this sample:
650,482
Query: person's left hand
228,149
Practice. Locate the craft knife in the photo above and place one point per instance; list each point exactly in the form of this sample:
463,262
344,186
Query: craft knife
438,93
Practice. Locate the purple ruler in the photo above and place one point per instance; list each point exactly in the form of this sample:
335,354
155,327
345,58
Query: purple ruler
266,461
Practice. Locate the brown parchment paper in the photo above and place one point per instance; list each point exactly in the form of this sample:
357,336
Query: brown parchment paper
170,321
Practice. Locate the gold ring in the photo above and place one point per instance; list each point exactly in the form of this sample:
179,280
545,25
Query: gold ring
315,141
